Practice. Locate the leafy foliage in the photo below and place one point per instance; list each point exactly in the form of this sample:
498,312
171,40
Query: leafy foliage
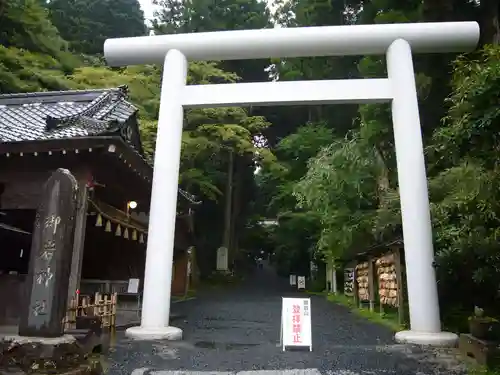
183,16
464,195
340,186
350,184
87,24
25,25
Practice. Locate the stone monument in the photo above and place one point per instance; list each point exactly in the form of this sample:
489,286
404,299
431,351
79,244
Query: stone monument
42,346
50,259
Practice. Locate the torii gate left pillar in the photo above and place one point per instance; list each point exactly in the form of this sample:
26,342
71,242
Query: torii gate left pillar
396,41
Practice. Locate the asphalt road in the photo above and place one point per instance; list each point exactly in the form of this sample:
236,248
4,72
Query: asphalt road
236,330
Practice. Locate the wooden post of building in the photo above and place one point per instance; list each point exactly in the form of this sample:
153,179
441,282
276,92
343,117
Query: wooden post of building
371,285
355,288
334,279
189,270
379,284
79,240
50,259
399,281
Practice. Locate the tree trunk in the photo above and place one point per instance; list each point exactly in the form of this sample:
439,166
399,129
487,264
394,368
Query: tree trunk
226,242
383,178
236,208
490,28
438,10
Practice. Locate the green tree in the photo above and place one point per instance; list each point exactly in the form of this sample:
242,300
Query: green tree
25,25
33,56
87,24
466,213
210,136
296,236
178,16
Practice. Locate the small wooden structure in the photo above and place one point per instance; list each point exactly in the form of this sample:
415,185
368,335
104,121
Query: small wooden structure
103,306
485,353
365,290
376,278
390,283
95,135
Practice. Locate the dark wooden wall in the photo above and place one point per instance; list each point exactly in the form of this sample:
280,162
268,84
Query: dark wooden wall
108,257
180,274
14,246
22,184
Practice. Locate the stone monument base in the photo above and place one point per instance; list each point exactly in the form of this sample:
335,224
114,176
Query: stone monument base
37,355
162,333
437,339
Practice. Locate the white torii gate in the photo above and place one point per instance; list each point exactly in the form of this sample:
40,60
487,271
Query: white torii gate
396,41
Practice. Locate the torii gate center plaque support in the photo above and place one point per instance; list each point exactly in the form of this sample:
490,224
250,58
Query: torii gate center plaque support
396,41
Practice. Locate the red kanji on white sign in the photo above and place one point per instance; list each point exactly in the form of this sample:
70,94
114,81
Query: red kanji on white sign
296,323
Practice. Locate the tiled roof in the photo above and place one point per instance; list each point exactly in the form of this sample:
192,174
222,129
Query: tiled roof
63,114
67,114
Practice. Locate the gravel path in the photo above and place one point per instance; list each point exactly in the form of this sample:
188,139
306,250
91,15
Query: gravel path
238,329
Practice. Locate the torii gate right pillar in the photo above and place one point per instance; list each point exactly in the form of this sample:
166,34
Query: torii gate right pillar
413,194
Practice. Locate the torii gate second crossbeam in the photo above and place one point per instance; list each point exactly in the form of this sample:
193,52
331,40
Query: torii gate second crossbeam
396,41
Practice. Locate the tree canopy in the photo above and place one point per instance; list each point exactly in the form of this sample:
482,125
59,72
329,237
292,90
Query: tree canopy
87,24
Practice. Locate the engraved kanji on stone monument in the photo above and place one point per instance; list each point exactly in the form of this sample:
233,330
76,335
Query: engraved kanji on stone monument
50,258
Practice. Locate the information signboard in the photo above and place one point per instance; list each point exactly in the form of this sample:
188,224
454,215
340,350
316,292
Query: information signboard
296,323
301,282
349,282
133,286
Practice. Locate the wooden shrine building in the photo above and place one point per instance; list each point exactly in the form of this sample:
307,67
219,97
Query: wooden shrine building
95,135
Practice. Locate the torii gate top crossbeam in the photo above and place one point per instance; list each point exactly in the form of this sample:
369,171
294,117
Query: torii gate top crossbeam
294,42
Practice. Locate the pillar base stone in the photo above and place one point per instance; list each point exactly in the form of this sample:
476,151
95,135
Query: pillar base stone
437,339
154,333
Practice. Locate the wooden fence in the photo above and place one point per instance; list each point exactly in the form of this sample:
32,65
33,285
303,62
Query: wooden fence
101,305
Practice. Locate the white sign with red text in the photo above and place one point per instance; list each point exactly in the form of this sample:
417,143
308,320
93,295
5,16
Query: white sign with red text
296,323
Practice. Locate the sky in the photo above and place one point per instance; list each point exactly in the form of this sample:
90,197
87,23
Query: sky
148,8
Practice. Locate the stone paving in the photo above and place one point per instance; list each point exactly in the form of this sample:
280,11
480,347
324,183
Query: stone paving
237,331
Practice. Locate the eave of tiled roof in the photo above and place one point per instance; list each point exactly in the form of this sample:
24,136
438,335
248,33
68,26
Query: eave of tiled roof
74,121
374,250
63,114
113,144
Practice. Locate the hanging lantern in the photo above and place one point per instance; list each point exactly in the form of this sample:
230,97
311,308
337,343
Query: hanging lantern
107,228
141,238
125,233
118,230
134,235
98,222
